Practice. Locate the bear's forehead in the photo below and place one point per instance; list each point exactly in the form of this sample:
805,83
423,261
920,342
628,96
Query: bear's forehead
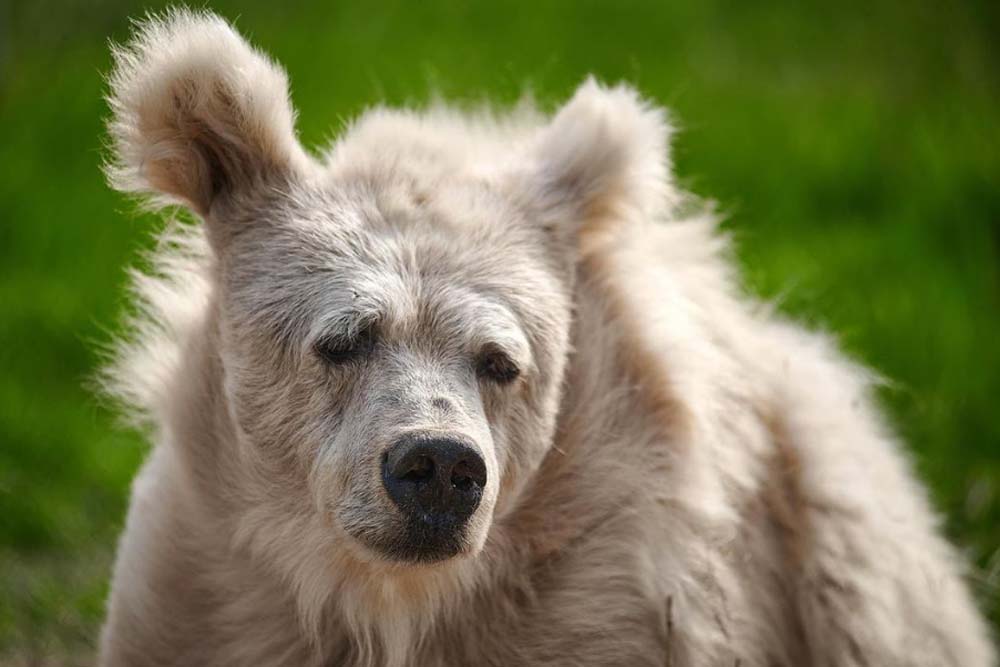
454,232
355,254
432,270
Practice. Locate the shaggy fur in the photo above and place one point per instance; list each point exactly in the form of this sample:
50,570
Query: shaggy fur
676,477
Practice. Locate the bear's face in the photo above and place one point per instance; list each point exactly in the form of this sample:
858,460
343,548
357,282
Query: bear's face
398,355
392,343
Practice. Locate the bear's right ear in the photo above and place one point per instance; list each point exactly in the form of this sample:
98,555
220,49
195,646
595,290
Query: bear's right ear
197,114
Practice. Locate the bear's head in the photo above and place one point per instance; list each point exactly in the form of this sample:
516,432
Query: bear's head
393,320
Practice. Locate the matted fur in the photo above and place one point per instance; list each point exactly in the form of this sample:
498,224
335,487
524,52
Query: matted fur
678,476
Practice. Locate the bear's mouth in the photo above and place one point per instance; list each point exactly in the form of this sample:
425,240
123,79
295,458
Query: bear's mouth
420,541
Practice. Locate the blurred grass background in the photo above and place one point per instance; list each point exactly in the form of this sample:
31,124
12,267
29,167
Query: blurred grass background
854,147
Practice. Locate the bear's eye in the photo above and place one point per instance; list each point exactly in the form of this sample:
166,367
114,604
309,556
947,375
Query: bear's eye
496,365
338,350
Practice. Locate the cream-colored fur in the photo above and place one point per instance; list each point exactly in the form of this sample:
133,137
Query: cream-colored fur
677,477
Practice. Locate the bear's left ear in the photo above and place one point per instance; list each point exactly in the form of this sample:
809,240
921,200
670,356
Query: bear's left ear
603,158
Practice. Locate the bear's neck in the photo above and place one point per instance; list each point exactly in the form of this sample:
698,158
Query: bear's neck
618,418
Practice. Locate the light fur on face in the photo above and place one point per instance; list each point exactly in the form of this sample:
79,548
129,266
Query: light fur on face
673,474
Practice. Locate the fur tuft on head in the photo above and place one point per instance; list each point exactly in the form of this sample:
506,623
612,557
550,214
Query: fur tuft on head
197,113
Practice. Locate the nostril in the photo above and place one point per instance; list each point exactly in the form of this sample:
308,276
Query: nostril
464,476
460,477
420,470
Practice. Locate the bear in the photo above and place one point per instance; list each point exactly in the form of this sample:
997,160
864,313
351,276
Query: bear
482,387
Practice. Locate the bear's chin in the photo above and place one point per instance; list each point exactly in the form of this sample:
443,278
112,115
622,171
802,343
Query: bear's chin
419,545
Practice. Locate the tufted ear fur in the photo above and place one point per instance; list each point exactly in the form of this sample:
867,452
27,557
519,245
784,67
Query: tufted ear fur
197,114
602,158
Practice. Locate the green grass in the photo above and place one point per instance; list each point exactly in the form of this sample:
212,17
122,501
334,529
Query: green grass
856,152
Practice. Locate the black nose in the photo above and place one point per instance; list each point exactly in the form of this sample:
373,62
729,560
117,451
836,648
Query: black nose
434,480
